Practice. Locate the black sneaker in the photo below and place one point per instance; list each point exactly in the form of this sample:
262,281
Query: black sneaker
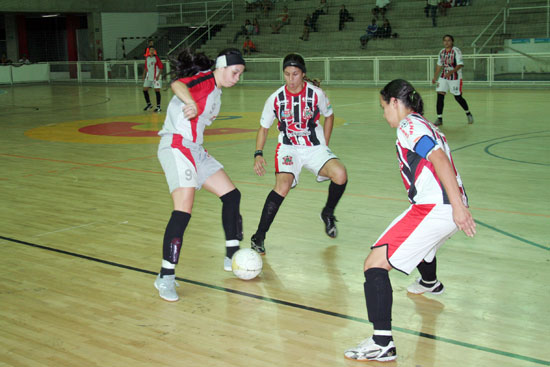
438,122
470,118
148,107
330,224
257,245
157,109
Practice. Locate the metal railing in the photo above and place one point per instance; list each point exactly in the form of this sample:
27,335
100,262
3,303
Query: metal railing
191,13
502,69
211,21
504,13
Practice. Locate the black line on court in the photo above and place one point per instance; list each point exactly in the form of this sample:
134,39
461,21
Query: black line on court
510,159
287,303
502,137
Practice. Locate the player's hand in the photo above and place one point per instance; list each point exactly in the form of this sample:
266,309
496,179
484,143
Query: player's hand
259,163
433,81
190,110
448,74
464,221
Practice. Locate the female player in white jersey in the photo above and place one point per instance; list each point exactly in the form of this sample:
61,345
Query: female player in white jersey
186,164
439,207
448,76
152,77
303,142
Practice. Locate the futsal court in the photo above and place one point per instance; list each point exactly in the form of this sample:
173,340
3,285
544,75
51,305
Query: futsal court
85,204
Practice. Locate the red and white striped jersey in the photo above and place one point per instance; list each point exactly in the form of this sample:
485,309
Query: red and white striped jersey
153,65
416,139
207,96
298,115
449,60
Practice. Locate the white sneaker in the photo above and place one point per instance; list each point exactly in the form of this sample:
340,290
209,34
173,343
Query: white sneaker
368,350
167,287
418,288
227,264
470,118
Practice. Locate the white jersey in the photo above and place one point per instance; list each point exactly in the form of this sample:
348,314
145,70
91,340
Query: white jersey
448,60
298,115
152,68
207,96
416,139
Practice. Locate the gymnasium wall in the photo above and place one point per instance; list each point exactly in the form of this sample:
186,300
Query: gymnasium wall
116,25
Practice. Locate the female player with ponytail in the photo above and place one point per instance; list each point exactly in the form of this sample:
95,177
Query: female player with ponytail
439,207
186,164
303,142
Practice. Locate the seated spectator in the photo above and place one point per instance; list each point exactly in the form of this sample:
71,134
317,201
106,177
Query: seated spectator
4,60
248,46
308,25
246,29
443,6
283,19
370,33
24,60
344,16
256,26
322,8
385,30
380,8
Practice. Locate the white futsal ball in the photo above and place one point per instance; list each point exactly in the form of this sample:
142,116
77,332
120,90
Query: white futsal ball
246,264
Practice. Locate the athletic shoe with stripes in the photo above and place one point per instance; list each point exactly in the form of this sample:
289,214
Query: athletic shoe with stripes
470,118
148,107
438,122
257,245
368,350
417,288
167,287
330,225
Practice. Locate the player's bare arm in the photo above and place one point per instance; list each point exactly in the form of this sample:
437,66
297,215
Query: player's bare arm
190,109
436,74
327,127
461,214
259,161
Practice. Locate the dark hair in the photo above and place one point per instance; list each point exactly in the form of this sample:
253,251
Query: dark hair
294,60
403,90
187,64
451,37
230,51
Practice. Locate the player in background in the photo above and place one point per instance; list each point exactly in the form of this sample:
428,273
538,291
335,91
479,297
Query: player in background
439,207
303,142
152,77
448,75
186,164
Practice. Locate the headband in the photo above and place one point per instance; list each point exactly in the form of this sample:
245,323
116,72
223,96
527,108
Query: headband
229,59
295,64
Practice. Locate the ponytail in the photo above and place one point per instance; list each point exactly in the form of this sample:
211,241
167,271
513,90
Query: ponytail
403,90
187,64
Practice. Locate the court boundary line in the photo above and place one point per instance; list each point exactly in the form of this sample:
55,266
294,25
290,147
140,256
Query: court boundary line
287,303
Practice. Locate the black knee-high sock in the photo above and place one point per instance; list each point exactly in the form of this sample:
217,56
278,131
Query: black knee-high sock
335,192
232,221
157,94
462,102
173,236
427,271
379,299
440,103
271,206
146,95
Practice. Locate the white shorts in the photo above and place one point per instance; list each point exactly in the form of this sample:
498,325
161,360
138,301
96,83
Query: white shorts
416,235
157,84
291,159
445,85
185,163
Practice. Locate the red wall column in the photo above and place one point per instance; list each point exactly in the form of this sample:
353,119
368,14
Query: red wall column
22,36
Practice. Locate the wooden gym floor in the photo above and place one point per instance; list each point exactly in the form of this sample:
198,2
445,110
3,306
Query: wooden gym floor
84,204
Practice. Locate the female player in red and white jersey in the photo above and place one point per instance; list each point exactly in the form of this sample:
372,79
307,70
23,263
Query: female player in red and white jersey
152,77
303,142
186,164
439,207
448,75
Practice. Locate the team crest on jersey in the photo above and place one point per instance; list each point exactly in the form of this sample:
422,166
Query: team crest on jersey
308,113
287,160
